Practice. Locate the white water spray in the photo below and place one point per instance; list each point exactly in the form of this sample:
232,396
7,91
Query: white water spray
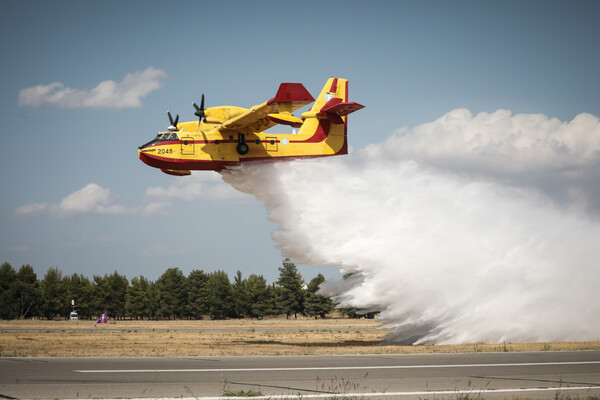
447,255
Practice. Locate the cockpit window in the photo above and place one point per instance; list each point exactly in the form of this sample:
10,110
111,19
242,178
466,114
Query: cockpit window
162,137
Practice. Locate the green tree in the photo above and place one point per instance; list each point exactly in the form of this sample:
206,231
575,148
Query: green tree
197,294
27,300
28,294
8,275
317,304
137,303
97,296
116,294
172,296
153,301
261,298
78,289
351,312
108,294
220,300
55,294
290,294
241,305
23,297
27,275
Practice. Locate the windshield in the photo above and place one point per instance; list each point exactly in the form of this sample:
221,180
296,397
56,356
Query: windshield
162,137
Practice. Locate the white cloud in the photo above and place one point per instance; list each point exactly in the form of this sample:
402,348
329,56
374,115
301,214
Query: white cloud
153,208
32,208
107,94
500,141
95,199
92,199
559,158
198,186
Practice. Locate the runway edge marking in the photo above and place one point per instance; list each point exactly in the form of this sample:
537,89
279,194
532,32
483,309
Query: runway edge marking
123,371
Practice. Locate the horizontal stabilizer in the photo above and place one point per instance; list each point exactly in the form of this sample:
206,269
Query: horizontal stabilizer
286,119
335,109
176,172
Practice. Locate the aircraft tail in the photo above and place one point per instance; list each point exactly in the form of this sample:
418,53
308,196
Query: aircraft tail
329,113
333,99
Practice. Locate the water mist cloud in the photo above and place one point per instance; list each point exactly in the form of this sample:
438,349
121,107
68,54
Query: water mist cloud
448,255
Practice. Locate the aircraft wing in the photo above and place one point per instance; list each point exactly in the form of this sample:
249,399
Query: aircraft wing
289,97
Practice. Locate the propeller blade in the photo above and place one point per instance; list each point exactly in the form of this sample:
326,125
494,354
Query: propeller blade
173,126
200,110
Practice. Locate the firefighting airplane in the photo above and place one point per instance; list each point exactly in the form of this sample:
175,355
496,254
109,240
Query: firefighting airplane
226,136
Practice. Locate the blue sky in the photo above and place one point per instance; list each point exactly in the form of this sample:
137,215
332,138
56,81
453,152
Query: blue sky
74,193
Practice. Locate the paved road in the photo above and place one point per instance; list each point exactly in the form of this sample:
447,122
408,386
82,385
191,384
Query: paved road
496,375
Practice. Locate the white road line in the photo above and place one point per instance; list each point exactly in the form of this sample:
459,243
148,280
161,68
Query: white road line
381,394
124,371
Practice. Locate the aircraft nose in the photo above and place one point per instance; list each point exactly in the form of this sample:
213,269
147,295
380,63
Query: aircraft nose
146,144
142,156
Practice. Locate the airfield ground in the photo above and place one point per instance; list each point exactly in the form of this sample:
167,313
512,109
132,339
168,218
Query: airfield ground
224,338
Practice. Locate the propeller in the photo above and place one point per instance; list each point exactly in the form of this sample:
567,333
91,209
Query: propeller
173,126
200,110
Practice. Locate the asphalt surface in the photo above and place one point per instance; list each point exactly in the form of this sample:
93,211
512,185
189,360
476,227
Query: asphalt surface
426,376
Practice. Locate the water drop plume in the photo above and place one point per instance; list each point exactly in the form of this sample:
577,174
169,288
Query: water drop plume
446,256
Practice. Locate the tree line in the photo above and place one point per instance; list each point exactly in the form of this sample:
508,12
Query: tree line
172,296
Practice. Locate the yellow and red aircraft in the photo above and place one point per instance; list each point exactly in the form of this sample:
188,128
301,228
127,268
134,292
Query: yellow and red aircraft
226,136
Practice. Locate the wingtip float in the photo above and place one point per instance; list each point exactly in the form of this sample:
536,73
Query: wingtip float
227,135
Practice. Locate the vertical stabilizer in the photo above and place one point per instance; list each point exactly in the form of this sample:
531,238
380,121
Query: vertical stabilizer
327,118
334,88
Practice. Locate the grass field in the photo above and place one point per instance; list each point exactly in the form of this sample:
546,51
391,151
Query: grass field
224,338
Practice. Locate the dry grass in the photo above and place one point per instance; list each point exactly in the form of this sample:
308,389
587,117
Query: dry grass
222,338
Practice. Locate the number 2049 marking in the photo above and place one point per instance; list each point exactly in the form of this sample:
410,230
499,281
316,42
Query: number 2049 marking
165,151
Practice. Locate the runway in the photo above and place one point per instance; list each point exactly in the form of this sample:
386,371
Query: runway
494,375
